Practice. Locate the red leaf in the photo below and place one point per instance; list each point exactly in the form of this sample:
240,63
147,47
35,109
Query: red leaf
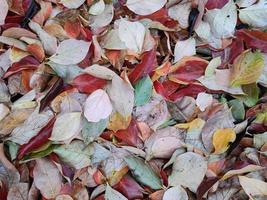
160,89
37,141
73,29
254,39
145,67
129,188
87,84
205,185
170,86
190,90
212,4
51,94
26,63
37,51
130,135
188,69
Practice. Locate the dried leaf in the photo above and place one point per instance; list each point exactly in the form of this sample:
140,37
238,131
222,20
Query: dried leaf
145,8
72,3
112,194
175,193
253,187
3,11
143,91
184,48
18,192
222,138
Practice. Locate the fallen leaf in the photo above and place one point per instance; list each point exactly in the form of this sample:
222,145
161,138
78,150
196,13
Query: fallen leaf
47,178
117,122
70,52
18,192
3,11
97,106
143,91
72,3
222,138
244,170
143,172
145,8
253,187
4,111
180,13
184,48
175,193
103,19
97,8
188,170
112,194
76,154
68,124
203,100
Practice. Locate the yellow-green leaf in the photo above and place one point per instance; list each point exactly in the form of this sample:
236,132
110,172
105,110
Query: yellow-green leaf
222,138
247,68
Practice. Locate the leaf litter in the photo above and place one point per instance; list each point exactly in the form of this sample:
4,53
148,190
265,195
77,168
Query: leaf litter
133,99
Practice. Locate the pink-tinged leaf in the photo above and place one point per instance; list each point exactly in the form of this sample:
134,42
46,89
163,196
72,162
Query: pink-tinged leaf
73,29
18,191
191,90
188,69
130,135
130,188
205,186
160,89
47,178
86,83
145,67
254,39
212,4
17,33
26,63
37,51
97,106
3,11
44,12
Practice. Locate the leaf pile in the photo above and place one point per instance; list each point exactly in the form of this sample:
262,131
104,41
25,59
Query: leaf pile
133,99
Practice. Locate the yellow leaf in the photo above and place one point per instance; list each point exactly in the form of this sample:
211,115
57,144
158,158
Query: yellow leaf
222,138
117,122
195,124
247,68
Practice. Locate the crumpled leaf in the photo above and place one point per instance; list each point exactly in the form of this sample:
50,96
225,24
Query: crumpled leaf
143,172
132,34
70,52
175,193
3,11
47,178
97,106
121,95
221,139
222,21
143,91
255,15
145,7
72,3
188,170
247,68
184,48
112,194
66,126
18,191
75,154
253,187
91,130
163,143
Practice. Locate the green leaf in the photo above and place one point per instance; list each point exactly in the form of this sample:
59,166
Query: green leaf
40,154
13,149
237,108
143,91
143,172
252,91
259,140
75,154
247,68
92,130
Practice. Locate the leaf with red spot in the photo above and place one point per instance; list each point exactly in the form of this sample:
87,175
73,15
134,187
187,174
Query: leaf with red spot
26,63
87,83
145,67
254,39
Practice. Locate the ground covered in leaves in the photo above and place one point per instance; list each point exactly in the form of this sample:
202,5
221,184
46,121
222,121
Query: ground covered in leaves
133,99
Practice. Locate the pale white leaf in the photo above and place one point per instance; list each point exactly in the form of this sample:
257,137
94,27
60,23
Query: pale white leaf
184,48
4,111
76,154
146,7
72,3
255,15
100,72
188,170
113,41
132,34
245,3
175,193
103,19
246,169
5,61
180,12
18,191
64,197
70,52
49,42
203,100
121,95
97,8
13,42
97,106
222,21
47,178
112,194
3,11
253,187
66,126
